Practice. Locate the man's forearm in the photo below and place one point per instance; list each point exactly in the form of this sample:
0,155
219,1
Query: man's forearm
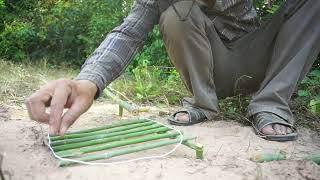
115,53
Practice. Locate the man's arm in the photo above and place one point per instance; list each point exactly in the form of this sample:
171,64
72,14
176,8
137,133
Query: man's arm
102,67
118,49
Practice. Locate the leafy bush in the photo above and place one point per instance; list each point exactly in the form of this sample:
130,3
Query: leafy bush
1,3
153,51
17,40
60,30
309,93
148,83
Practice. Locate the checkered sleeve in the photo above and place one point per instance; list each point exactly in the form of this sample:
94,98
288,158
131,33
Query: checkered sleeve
114,54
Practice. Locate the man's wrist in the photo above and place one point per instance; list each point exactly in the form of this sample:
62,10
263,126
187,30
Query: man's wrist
89,85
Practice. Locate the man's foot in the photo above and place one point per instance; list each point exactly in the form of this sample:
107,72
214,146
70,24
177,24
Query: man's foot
187,117
272,127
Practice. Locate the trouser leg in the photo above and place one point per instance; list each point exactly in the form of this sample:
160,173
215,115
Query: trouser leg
295,50
189,49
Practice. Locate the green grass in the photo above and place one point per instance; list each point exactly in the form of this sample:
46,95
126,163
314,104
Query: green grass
17,81
151,85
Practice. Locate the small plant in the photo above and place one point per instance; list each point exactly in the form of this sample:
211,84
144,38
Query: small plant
152,84
309,93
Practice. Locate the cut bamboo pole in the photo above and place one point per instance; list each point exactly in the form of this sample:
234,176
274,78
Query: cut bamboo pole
197,147
268,157
116,129
124,151
281,156
77,152
110,139
144,109
100,136
109,126
122,104
315,158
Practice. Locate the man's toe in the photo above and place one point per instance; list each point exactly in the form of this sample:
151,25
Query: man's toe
268,130
182,117
289,130
277,129
283,129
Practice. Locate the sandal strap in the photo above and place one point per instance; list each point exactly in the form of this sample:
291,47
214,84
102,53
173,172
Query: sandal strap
195,116
265,118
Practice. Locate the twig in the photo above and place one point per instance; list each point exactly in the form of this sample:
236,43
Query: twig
248,145
259,172
218,151
121,94
236,84
1,172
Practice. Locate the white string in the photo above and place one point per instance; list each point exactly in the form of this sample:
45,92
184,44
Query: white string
125,161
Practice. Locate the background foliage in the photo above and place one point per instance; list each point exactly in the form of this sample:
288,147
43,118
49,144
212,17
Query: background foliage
60,30
69,30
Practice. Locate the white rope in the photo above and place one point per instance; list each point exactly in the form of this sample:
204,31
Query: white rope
125,161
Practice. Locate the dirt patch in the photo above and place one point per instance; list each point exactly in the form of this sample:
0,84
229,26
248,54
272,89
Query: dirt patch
3,112
228,147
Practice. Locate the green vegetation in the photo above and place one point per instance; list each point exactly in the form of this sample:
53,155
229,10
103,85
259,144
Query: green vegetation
17,81
62,31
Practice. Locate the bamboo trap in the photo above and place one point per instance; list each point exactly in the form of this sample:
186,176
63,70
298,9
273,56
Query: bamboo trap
119,139
132,108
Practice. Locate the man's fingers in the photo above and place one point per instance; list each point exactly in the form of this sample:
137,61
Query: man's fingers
60,94
59,100
79,107
36,106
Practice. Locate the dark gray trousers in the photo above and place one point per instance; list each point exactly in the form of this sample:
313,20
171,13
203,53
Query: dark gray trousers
270,61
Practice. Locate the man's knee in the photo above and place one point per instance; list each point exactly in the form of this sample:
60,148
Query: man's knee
177,22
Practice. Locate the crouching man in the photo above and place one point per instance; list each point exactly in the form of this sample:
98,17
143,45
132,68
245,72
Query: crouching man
217,47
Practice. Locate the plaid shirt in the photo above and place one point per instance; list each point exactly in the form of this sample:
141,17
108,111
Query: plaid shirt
231,18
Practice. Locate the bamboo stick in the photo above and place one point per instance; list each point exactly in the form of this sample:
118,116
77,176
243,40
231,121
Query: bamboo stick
268,157
100,136
109,126
116,129
315,158
144,109
122,104
110,139
280,156
197,147
120,111
77,152
124,151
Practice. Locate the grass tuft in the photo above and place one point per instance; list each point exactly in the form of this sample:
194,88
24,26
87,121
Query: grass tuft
17,81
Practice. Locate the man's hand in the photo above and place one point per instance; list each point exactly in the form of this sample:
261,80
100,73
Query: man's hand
77,96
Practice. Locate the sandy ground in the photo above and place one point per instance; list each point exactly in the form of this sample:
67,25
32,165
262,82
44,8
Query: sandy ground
228,147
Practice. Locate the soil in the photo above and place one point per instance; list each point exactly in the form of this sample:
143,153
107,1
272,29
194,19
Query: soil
228,148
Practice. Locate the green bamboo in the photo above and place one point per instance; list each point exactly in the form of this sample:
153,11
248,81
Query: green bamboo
268,157
100,136
315,158
116,129
77,152
124,151
110,139
120,111
109,126
123,104
197,147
